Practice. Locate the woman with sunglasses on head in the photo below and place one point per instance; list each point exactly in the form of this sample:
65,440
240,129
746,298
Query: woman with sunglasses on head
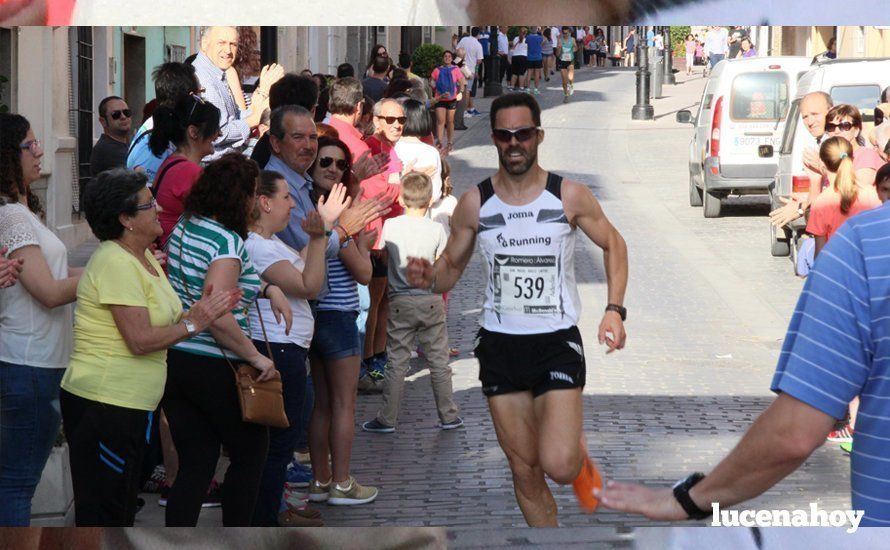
127,316
335,352
191,126
35,323
300,278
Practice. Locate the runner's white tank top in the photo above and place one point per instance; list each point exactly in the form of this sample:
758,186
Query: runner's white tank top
529,256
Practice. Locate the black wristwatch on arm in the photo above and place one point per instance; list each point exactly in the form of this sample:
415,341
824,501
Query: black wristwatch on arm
681,493
620,310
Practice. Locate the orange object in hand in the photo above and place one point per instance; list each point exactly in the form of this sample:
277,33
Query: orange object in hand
588,480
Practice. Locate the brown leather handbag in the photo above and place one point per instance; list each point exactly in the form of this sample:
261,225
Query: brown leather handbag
261,402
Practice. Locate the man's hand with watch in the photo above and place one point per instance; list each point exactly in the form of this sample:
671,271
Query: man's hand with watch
611,331
674,504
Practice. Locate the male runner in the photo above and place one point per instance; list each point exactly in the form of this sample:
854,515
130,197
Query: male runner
530,353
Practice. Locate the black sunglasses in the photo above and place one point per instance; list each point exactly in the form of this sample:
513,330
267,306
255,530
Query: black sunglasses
879,116
521,134
341,164
393,119
126,113
842,126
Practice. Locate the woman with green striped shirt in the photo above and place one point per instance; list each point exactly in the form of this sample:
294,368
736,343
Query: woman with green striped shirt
201,402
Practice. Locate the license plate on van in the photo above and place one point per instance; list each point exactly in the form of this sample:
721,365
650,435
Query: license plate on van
755,141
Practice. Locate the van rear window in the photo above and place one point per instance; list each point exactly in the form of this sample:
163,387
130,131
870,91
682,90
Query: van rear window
759,96
863,96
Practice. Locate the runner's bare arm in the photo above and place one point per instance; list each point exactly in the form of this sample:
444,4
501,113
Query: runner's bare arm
450,266
584,211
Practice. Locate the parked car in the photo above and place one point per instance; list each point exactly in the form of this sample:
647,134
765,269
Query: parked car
857,82
744,106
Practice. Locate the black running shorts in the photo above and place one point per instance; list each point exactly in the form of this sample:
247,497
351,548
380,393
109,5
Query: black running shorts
560,64
538,363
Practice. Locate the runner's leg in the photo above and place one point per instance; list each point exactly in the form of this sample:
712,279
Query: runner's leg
515,423
559,415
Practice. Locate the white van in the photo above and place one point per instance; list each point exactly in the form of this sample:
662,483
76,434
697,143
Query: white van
856,82
743,106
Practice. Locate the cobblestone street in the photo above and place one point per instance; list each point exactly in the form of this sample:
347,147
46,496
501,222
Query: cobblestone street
707,309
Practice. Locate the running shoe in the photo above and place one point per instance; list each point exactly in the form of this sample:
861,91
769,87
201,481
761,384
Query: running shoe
351,493
571,88
847,447
453,352
374,426
294,497
565,98
535,91
588,480
298,476
842,435
456,423
165,492
319,492
468,114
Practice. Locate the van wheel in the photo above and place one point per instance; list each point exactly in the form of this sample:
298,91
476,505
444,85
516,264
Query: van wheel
779,246
695,194
712,203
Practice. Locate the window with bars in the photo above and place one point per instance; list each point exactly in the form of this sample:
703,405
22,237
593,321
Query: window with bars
6,70
175,53
82,108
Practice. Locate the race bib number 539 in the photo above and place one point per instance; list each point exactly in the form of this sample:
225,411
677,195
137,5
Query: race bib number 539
526,284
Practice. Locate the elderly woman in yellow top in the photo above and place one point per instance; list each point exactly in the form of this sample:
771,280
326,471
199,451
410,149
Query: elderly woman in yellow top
127,316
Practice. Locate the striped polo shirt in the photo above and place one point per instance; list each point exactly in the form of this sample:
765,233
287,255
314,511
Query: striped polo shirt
343,295
838,347
195,243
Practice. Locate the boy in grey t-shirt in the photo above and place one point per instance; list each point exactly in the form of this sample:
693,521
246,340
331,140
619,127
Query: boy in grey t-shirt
413,311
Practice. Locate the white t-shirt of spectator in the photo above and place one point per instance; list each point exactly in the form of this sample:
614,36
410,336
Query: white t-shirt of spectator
579,35
503,44
264,253
474,51
555,33
715,41
423,156
442,210
520,48
31,334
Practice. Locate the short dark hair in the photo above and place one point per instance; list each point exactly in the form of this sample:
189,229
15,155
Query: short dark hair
474,32
883,173
417,119
173,81
276,121
344,70
110,194
294,89
346,93
225,191
885,95
103,105
404,60
517,99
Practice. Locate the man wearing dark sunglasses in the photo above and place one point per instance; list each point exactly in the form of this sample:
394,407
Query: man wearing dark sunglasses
111,149
531,357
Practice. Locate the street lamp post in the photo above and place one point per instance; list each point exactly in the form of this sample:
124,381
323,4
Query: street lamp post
642,110
493,70
669,77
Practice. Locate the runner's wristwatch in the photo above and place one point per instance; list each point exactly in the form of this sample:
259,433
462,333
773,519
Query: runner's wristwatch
681,493
620,310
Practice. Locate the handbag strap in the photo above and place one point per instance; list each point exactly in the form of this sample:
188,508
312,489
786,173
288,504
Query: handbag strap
185,289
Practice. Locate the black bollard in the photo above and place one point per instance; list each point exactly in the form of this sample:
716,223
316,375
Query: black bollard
642,110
